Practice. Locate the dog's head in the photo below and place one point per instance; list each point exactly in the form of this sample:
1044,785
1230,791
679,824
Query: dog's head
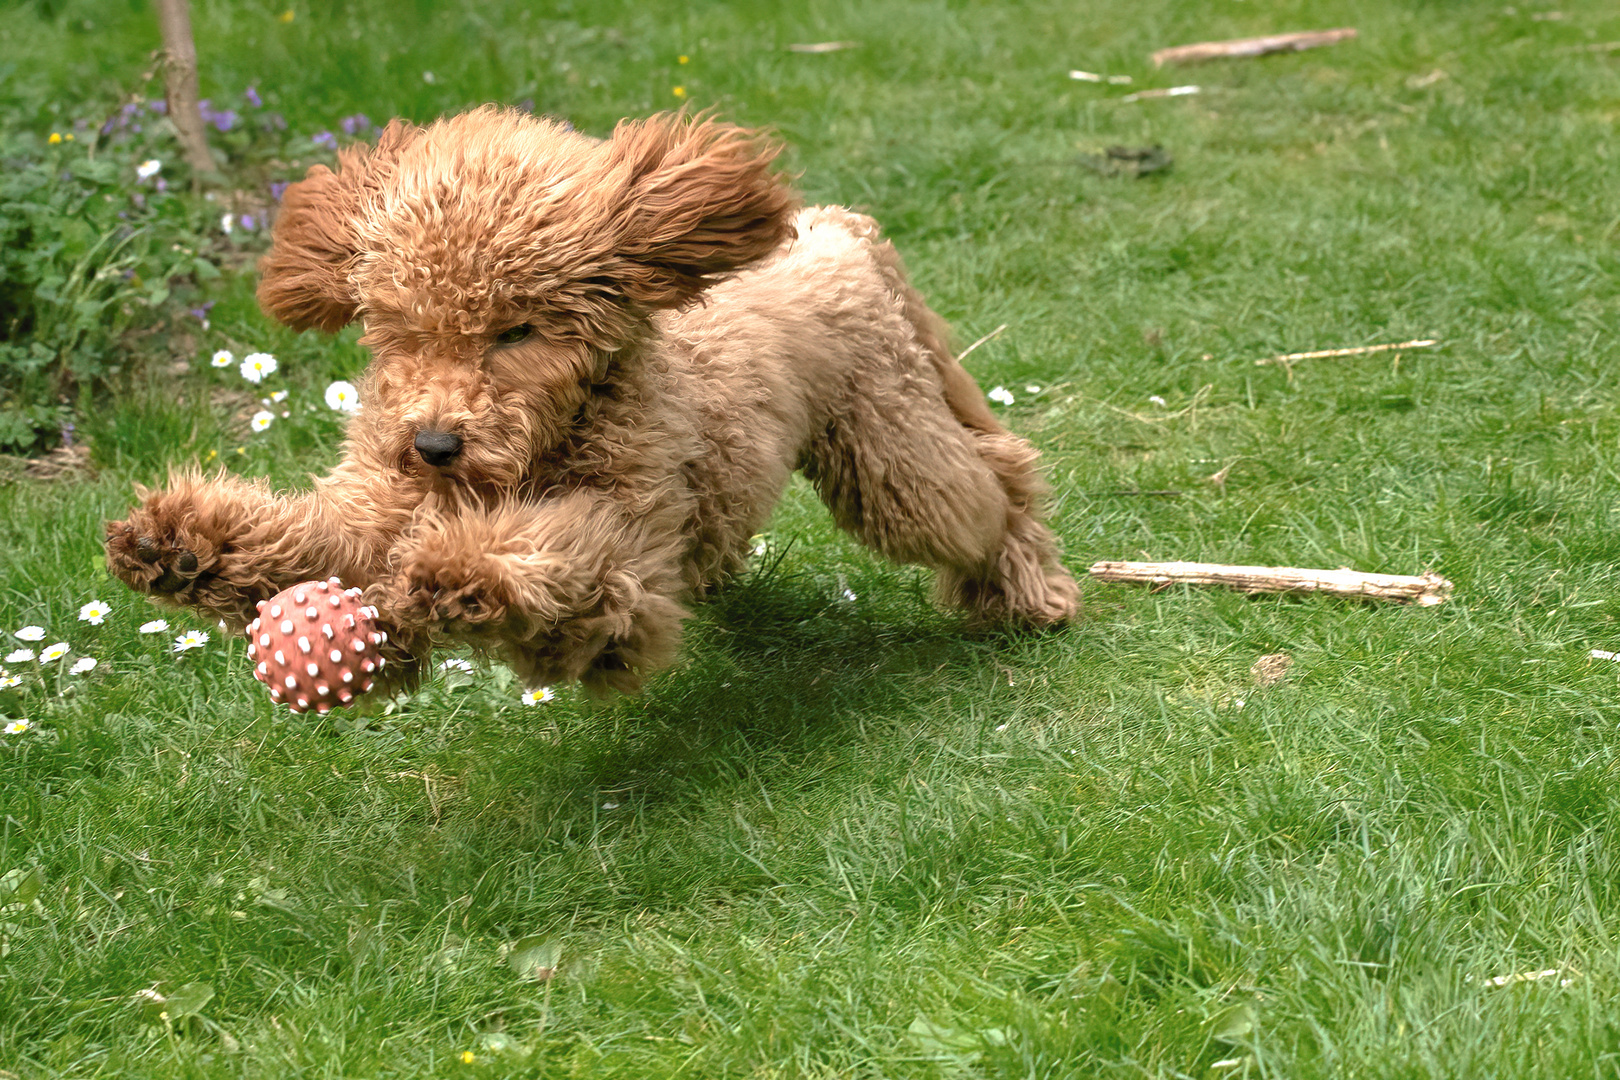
499,262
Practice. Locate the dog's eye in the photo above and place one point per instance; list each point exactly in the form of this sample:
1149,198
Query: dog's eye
513,334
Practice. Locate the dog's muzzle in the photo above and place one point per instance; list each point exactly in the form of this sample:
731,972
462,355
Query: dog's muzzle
438,448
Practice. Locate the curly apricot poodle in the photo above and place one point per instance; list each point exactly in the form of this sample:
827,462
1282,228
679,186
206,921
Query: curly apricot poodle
595,365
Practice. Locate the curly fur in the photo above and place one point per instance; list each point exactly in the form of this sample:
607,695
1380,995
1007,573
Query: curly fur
689,337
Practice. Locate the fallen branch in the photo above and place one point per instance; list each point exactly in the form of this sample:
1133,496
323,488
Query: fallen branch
1426,590
1360,350
1255,46
1161,92
823,46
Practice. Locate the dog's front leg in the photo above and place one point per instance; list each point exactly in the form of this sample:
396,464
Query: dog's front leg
579,586
220,544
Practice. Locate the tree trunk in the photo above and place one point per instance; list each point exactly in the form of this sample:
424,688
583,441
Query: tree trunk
180,86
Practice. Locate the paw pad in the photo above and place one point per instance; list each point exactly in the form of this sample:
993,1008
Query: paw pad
287,642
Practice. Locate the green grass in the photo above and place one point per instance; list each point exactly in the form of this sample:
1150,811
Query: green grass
851,839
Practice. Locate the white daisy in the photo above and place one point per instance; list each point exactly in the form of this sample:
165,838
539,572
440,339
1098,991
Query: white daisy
156,626
148,168
17,727
279,396
19,656
1032,388
343,397
224,358
83,664
455,664
263,419
31,633
191,639
94,612
255,366
227,222
538,697
1000,394
9,681
54,652
1157,400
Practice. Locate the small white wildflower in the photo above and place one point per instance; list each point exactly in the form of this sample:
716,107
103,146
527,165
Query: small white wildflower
224,358
191,639
610,806
83,664
538,697
1000,394
148,168
1032,388
156,626
343,397
255,366
94,613
759,545
17,727
31,633
1157,400
227,222
7,681
279,396
429,78
19,656
263,419
54,652
455,663
849,596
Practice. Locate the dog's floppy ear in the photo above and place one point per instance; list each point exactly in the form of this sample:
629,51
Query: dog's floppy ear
304,278
701,201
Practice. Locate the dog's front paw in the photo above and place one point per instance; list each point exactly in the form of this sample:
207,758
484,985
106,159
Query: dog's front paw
453,595
154,551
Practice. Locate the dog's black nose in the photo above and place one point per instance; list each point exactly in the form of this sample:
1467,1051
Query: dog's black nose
438,448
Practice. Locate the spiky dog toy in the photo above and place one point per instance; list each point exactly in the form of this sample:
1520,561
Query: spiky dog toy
316,646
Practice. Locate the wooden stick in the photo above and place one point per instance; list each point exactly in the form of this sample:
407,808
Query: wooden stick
180,81
1254,46
1427,589
1359,350
823,46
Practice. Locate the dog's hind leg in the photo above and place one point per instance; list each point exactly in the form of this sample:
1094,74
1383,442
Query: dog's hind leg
914,464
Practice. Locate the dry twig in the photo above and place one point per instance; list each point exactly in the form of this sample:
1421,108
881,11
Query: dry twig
1426,589
1254,46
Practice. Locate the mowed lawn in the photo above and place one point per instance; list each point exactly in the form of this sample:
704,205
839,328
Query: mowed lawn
846,837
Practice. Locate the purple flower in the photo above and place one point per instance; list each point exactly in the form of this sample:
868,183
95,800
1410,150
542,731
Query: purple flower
353,125
67,433
252,96
161,184
246,221
224,121
130,109
107,128
159,107
323,138
201,313
135,127
277,189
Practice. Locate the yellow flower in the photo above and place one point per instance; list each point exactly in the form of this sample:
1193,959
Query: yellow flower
241,449
468,1057
682,59
287,16
679,91
68,136
55,138
212,454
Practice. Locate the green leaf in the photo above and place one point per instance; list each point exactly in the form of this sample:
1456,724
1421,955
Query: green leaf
1233,1022
20,886
935,1038
189,1000
534,957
